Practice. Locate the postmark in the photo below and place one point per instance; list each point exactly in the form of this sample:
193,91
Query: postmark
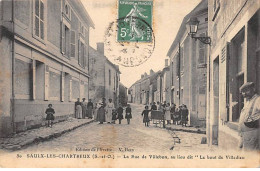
130,41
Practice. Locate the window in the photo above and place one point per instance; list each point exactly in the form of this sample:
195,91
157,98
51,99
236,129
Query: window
65,38
54,84
39,19
22,77
216,7
67,11
109,76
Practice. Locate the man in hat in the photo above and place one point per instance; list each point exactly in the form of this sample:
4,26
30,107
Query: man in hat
249,118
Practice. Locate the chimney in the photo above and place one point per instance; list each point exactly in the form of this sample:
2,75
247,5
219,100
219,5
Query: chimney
145,74
142,76
151,72
166,62
100,48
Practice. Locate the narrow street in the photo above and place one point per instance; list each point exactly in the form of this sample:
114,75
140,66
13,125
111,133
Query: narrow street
135,137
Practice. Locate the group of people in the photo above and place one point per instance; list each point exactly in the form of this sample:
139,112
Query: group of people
178,115
106,112
84,109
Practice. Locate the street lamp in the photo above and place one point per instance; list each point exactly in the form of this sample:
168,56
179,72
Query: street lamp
192,27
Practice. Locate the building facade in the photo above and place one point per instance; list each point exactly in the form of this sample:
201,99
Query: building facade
123,96
188,67
104,76
45,60
233,60
166,80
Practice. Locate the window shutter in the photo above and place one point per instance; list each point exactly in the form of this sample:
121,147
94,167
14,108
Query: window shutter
70,90
72,44
62,85
79,50
62,44
228,51
46,80
33,69
85,56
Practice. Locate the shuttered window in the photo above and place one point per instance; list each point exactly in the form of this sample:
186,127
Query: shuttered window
202,51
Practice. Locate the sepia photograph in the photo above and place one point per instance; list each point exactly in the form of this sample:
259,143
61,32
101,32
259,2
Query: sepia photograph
129,83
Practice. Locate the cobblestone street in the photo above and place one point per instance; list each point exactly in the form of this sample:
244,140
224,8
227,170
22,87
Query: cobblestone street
114,136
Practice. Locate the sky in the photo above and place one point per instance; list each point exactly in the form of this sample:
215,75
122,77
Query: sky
167,18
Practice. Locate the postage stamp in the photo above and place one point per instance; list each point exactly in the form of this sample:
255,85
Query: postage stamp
130,40
136,21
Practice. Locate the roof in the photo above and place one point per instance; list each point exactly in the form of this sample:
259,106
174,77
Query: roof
200,8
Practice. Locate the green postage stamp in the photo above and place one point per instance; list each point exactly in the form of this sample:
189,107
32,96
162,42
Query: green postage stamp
135,20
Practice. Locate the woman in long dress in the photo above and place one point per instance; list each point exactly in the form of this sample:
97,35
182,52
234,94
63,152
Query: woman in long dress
109,110
78,109
95,112
90,107
84,108
168,113
101,112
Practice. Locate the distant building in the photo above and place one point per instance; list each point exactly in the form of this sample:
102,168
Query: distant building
234,28
166,83
123,98
44,59
188,67
104,76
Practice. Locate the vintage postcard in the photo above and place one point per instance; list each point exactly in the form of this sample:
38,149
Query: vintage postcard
129,83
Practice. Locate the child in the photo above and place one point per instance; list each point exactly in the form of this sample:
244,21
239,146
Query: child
128,113
114,116
50,115
146,119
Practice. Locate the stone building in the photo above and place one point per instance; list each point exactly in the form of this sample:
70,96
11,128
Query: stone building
44,59
233,60
188,67
142,91
104,76
166,83
123,98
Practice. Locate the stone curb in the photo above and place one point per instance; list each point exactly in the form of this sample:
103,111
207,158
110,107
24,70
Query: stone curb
186,130
43,138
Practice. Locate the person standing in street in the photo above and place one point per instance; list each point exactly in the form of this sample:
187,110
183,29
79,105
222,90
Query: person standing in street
249,130
128,113
120,111
184,115
84,108
78,109
90,107
145,115
154,107
101,112
172,112
114,116
50,115
109,110
168,113
95,112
